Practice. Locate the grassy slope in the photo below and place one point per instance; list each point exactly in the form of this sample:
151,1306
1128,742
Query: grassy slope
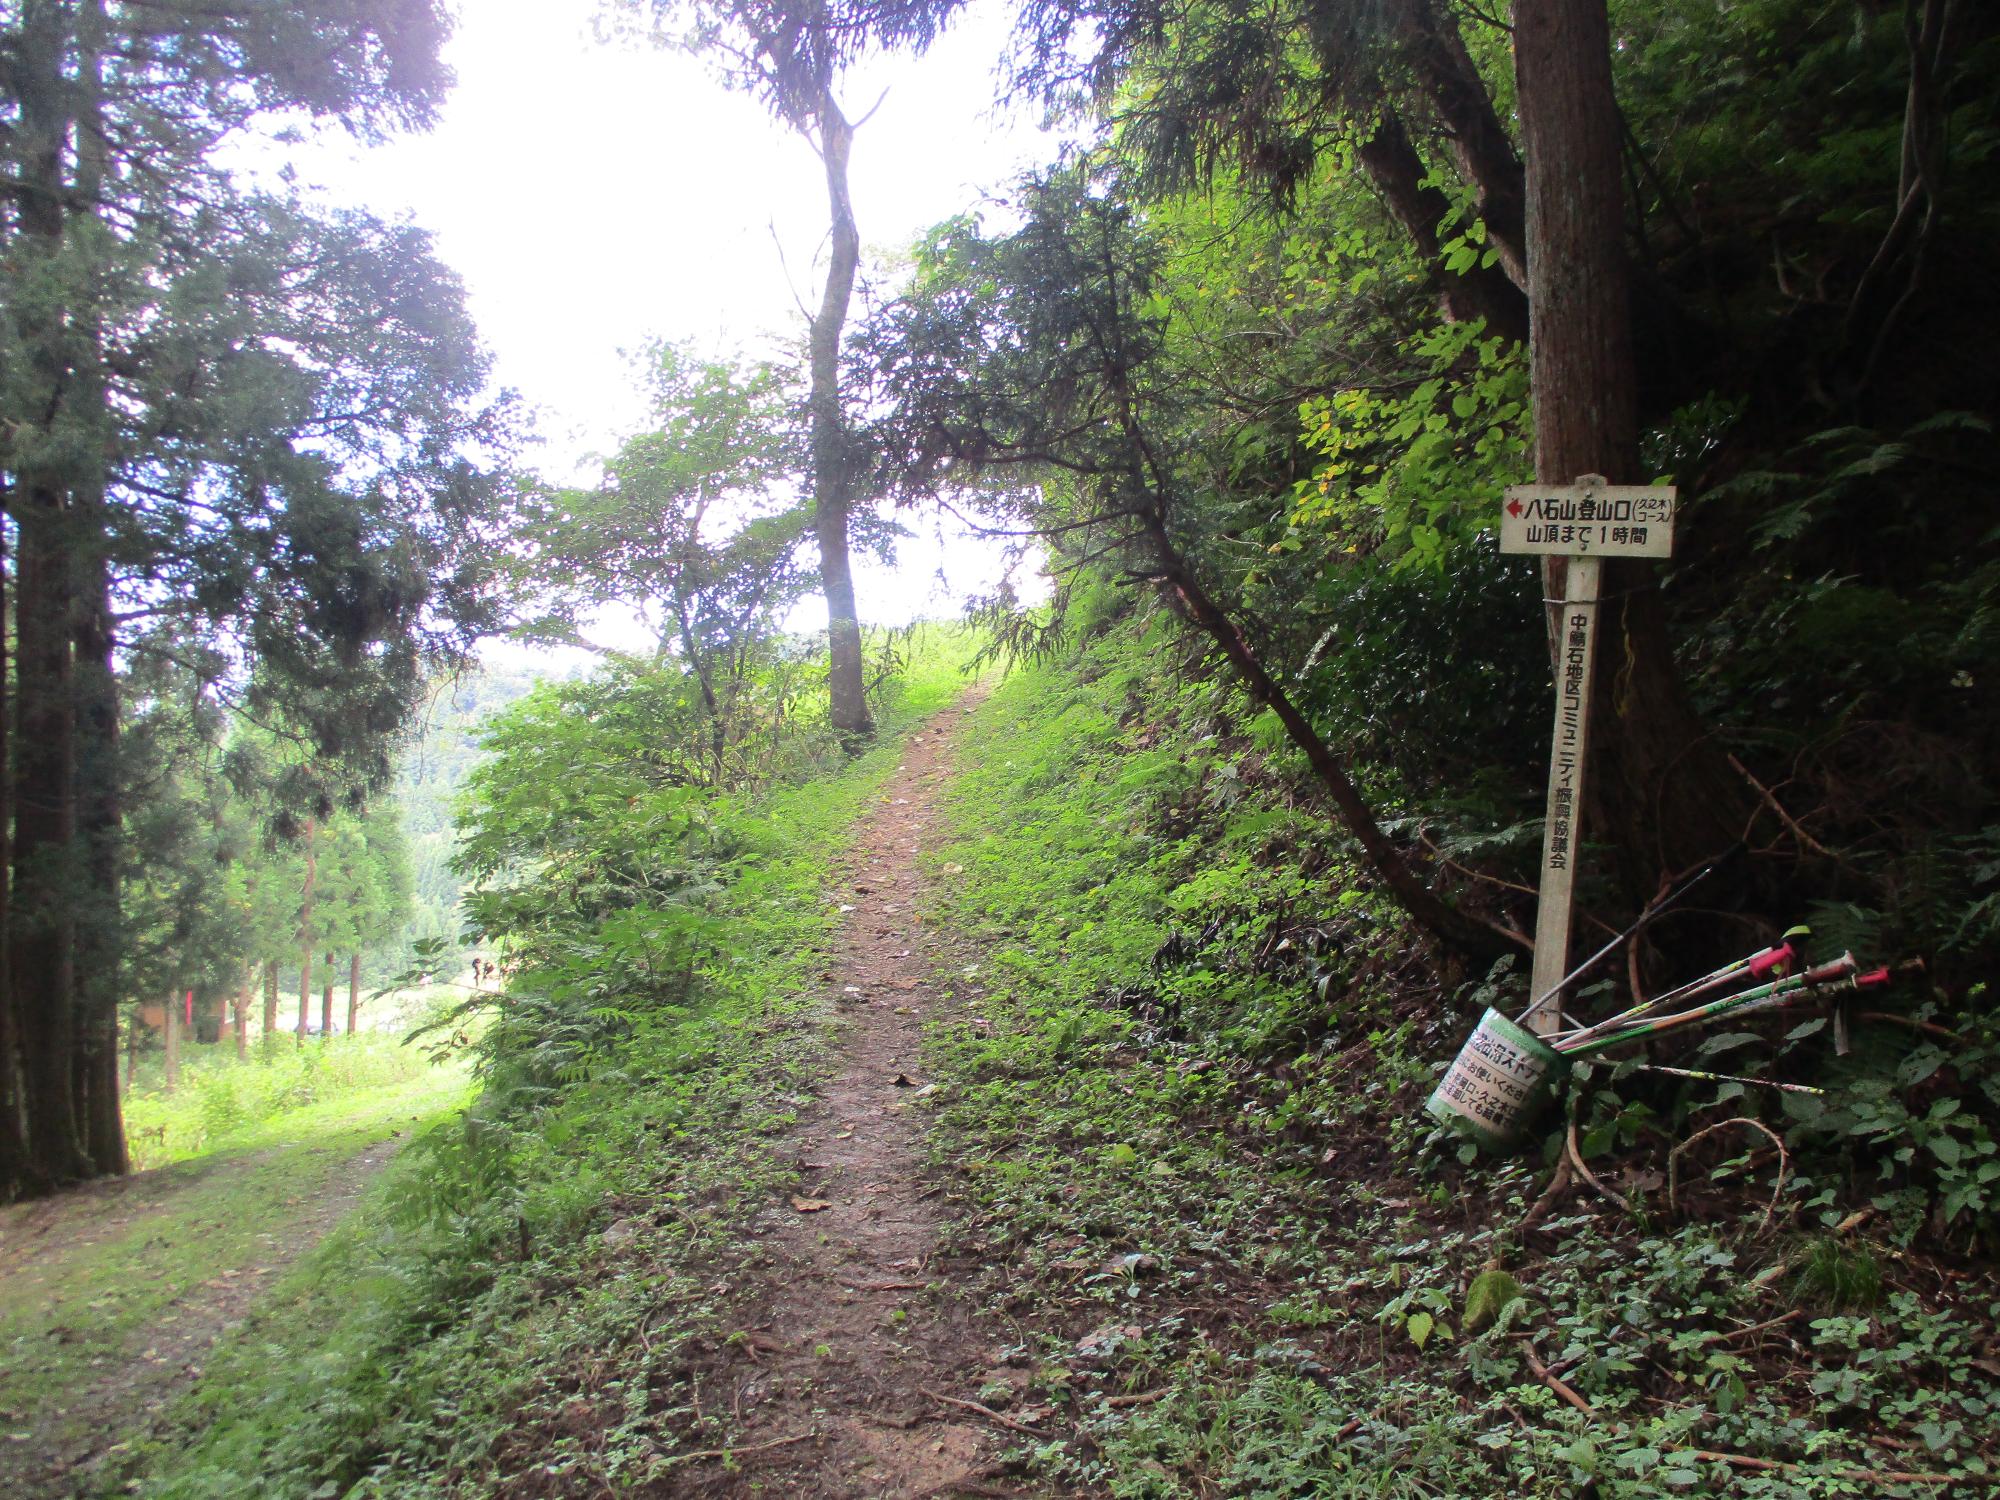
1183,1128
105,1290
512,1308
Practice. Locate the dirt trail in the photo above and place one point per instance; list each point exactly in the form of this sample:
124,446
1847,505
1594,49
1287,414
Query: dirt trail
837,1390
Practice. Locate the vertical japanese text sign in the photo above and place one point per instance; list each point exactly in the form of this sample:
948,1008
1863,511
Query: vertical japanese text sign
1585,522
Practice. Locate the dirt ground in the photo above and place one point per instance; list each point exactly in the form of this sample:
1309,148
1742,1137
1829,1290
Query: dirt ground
857,1377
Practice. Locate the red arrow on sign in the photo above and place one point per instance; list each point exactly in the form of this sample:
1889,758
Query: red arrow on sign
1514,509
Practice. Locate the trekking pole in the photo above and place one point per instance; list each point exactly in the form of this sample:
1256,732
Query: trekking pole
1695,1073
1764,997
1773,961
1672,898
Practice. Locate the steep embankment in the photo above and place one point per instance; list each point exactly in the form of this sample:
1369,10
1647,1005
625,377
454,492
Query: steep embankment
1186,1159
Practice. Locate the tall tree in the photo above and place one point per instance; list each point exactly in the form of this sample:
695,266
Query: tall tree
792,55
221,416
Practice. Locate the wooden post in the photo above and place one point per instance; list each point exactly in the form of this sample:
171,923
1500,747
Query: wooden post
1584,523
1569,747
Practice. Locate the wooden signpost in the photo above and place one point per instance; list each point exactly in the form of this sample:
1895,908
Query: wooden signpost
1585,522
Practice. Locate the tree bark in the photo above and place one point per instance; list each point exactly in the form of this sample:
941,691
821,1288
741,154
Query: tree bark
1658,788
100,932
326,1000
1473,132
353,992
270,1003
100,929
832,460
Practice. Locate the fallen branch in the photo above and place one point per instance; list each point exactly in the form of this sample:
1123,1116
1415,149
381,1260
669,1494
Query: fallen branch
1143,1398
1784,1161
985,1411
1722,1334
1558,1180
702,1453
1770,800
1739,1460
1576,1160
1863,1476
1555,1383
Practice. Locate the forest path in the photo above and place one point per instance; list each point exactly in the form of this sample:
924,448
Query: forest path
112,1294
836,1383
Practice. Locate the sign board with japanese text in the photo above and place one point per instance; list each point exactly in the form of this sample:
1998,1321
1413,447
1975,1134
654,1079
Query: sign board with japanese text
1582,520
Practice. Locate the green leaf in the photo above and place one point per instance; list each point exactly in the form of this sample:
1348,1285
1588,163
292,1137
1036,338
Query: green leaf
1419,1328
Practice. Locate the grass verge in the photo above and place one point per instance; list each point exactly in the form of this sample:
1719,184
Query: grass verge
106,1282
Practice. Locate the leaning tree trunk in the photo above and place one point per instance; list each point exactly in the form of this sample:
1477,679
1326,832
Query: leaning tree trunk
833,461
1659,790
353,992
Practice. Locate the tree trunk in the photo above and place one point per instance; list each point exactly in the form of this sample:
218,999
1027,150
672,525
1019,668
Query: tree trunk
326,1000
353,992
306,932
1399,175
45,877
832,461
1475,137
243,1018
13,1144
1458,931
100,930
270,1003
173,1043
1658,789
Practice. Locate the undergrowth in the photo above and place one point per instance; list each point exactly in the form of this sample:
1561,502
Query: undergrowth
221,1103
1182,1120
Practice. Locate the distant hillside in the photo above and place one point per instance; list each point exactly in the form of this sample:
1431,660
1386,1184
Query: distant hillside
443,751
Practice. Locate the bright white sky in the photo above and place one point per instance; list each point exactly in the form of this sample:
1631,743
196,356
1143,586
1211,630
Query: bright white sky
594,197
